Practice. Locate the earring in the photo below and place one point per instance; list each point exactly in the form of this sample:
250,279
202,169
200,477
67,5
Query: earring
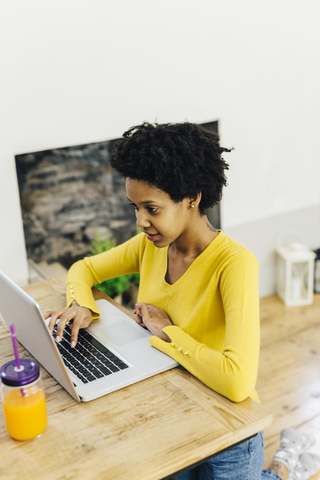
192,206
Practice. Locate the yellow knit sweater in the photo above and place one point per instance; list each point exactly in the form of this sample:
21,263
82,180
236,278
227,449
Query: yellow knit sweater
214,307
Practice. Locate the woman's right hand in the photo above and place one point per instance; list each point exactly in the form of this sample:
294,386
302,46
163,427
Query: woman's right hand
81,317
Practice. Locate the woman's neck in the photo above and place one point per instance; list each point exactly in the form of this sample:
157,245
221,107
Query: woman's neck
195,241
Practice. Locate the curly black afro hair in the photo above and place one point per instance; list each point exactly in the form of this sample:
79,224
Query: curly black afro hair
182,159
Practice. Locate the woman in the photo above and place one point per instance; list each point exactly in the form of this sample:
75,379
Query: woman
198,291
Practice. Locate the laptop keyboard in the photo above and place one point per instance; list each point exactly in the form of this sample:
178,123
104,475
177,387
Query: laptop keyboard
89,359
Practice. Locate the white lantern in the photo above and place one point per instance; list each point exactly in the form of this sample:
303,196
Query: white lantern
295,267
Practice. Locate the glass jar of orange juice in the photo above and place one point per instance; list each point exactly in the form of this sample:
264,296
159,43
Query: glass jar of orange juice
23,399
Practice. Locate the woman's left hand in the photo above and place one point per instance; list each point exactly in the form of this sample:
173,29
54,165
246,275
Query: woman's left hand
154,318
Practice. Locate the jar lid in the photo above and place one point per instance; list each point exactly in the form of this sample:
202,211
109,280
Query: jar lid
12,377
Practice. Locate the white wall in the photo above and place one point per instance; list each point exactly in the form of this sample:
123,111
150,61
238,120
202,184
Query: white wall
76,71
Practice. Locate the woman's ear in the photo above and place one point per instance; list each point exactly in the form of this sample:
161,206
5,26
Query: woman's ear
194,202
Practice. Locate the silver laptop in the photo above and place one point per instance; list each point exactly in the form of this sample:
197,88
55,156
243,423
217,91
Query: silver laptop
112,353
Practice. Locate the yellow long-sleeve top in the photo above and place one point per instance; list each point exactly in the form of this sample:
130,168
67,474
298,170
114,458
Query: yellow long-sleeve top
214,307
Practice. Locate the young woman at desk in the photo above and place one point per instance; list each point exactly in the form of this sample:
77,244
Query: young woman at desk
198,290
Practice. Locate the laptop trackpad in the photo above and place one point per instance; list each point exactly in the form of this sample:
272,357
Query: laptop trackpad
121,333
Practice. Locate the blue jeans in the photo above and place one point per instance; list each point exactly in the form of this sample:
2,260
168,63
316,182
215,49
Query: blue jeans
243,462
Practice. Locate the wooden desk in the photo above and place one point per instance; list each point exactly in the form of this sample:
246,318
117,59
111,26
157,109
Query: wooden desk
146,431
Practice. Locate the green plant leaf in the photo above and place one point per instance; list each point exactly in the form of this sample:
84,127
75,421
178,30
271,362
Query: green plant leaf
113,286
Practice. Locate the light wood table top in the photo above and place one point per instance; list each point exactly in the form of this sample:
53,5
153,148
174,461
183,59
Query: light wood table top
146,431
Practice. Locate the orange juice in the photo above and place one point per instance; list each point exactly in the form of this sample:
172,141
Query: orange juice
26,416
